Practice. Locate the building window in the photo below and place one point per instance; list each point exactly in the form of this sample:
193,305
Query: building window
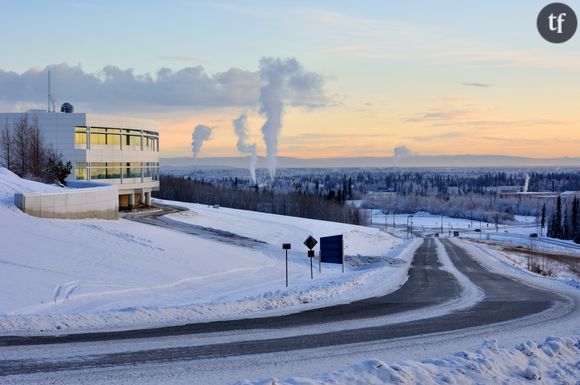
98,138
114,139
81,135
98,172
81,171
105,136
133,140
113,170
132,170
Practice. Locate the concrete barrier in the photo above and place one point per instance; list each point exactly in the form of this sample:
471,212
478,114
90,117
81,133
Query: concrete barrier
83,200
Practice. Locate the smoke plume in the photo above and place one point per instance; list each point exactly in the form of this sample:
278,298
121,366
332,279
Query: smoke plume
241,130
285,80
200,134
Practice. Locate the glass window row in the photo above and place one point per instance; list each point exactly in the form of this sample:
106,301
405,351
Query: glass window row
116,136
116,170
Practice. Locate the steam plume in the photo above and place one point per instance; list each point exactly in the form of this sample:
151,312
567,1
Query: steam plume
400,153
200,134
284,79
241,129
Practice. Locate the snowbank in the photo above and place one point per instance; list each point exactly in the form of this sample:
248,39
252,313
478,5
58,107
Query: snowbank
554,361
10,184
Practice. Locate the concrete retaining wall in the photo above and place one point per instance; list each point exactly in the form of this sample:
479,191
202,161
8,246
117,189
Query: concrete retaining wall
100,200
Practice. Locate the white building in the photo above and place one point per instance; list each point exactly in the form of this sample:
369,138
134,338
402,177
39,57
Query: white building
105,148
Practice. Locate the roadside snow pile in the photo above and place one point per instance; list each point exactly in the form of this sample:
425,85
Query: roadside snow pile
10,184
554,361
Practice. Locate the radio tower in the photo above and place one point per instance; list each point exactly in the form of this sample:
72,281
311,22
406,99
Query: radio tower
50,98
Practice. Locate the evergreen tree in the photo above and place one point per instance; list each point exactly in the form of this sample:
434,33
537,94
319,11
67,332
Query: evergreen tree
56,168
566,229
555,229
574,220
543,219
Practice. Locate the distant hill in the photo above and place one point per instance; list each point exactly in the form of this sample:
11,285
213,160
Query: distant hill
407,161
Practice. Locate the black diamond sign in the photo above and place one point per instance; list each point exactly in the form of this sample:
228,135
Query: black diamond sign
310,242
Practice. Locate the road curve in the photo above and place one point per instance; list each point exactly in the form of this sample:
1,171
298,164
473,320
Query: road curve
505,299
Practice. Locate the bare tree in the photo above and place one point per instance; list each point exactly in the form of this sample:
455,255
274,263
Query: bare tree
24,153
37,152
7,147
21,146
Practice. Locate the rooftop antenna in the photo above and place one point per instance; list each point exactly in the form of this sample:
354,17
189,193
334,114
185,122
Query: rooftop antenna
50,98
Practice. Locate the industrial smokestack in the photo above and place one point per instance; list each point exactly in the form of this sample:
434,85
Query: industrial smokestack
241,130
200,134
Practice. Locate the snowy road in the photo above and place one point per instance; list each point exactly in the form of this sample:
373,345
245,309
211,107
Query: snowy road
429,287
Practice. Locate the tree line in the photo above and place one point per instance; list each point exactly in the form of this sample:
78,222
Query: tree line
24,152
565,220
264,200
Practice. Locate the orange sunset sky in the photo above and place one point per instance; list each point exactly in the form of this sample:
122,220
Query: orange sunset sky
438,77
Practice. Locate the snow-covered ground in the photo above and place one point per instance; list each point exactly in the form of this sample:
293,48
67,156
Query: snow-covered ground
76,275
426,221
278,229
560,272
553,361
515,234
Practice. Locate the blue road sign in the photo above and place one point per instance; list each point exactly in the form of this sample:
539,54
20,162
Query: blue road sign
332,249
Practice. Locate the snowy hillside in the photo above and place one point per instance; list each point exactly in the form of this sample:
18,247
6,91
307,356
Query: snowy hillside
10,183
278,229
94,274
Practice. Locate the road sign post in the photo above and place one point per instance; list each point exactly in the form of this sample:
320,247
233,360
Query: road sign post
286,247
310,242
311,256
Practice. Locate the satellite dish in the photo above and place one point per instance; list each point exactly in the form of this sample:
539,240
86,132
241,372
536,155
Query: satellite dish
67,108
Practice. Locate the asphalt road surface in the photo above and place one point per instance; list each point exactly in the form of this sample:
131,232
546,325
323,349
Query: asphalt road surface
428,285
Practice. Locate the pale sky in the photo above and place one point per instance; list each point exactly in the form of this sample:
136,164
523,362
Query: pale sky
440,77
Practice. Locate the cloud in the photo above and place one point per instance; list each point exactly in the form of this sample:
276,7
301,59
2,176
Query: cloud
440,116
474,84
117,89
436,137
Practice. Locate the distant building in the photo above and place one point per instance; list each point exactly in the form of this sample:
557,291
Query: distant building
105,148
